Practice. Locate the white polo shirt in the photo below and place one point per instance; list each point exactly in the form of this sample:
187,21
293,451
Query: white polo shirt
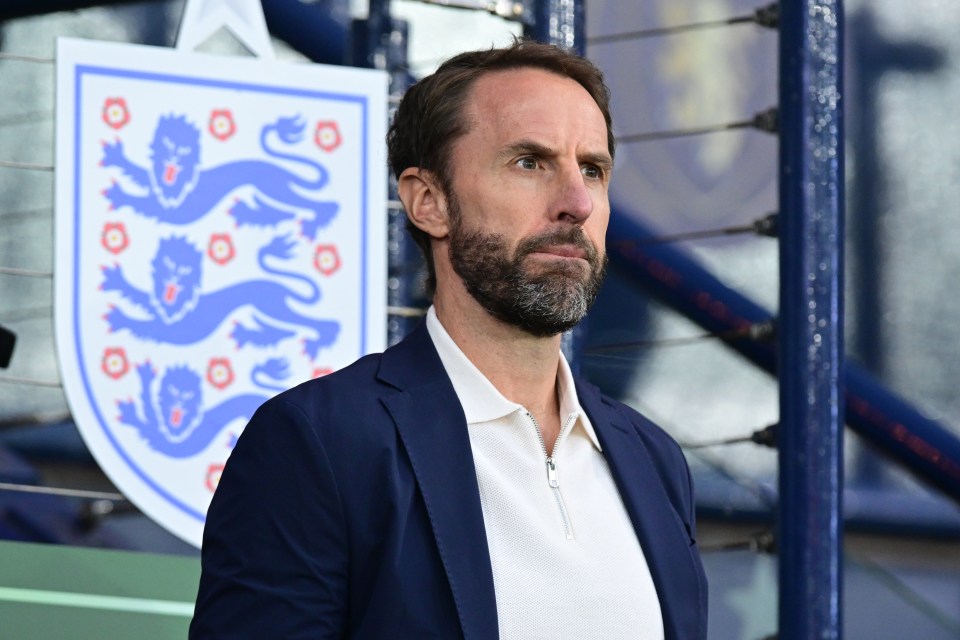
566,560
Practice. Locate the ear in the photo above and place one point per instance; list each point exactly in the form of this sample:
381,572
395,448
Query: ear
424,201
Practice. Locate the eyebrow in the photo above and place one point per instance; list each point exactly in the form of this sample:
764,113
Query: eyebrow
602,160
532,147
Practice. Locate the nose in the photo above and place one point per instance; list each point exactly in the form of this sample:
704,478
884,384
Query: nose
574,199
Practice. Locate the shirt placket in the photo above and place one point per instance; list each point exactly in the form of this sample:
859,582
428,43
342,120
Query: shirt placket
553,475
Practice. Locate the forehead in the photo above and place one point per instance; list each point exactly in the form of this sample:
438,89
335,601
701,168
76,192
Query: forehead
525,102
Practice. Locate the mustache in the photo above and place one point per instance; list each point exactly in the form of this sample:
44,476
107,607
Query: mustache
562,235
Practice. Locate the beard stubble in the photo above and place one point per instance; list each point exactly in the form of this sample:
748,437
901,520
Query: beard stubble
543,299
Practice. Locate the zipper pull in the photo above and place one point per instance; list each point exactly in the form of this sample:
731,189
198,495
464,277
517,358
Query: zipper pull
552,473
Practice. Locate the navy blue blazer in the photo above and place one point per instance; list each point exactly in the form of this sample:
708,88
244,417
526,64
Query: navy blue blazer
350,509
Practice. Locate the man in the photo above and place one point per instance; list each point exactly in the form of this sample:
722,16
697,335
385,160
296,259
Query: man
462,484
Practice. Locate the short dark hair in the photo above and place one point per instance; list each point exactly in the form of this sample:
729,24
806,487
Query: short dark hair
430,117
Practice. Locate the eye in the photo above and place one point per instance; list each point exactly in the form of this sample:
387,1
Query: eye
183,151
592,171
168,143
529,163
184,270
169,263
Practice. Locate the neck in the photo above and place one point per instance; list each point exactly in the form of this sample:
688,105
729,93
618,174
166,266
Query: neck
521,366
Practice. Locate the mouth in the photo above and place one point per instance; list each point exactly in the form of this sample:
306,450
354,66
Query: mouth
561,251
170,173
170,293
176,417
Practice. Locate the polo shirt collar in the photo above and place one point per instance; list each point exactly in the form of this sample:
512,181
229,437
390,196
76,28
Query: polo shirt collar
481,401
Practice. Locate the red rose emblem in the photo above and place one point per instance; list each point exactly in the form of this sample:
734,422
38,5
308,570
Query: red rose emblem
327,135
114,362
220,248
220,373
114,237
115,112
326,259
221,124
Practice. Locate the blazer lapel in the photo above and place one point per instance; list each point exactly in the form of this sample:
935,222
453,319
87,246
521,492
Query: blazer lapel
664,539
433,430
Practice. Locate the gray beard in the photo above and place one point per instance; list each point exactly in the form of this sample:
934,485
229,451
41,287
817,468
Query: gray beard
550,301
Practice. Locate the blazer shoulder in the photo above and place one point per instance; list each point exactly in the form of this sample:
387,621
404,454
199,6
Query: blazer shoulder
660,443
411,363
666,454
347,385
342,409
653,434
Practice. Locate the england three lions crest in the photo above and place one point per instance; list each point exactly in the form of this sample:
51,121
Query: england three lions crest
220,237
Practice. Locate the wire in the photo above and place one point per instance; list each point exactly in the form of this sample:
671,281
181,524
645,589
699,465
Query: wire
907,593
647,344
31,166
24,118
407,312
767,16
766,121
666,31
761,491
30,382
766,542
57,491
765,226
6,217
33,420
27,273
766,437
22,58
761,331
503,8
27,313
759,542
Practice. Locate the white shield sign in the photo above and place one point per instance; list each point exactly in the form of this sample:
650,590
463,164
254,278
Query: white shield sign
220,237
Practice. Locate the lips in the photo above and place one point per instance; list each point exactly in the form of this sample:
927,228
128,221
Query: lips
563,251
563,242
176,416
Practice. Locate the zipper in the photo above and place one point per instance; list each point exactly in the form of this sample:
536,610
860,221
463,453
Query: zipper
553,479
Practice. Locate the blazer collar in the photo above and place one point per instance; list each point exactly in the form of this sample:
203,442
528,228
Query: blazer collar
433,429
662,535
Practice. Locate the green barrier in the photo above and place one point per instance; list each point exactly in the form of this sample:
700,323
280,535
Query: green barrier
56,592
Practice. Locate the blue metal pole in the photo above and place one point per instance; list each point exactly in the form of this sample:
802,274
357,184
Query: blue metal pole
811,319
559,22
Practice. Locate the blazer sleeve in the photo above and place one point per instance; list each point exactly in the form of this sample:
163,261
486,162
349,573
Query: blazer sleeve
274,557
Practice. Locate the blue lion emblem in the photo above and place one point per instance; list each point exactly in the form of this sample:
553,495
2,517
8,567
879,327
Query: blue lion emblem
178,191
178,312
175,423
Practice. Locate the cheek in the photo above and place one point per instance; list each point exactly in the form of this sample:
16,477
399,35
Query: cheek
503,211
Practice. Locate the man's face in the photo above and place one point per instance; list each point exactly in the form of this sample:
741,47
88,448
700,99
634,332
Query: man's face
543,300
528,206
